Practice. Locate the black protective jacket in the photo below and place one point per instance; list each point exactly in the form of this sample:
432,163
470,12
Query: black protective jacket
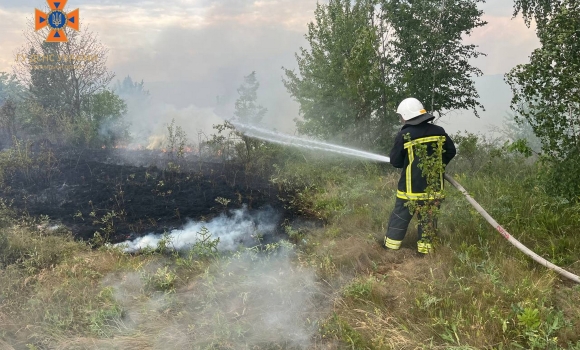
412,184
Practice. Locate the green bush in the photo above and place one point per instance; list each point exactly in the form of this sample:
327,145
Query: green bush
561,176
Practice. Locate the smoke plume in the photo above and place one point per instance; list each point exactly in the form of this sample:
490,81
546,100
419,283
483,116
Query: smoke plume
239,227
250,300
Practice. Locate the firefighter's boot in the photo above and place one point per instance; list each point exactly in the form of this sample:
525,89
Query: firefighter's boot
424,246
392,244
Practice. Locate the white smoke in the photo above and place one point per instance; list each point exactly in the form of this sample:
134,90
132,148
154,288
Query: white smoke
255,299
151,121
239,227
148,117
271,298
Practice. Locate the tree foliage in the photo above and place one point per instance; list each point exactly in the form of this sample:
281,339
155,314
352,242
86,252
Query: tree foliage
129,89
11,94
68,97
366,56
341,87
104,112
10,88
546,90
247,110
8,122
77,70
139,106
540,10
518,131
433,63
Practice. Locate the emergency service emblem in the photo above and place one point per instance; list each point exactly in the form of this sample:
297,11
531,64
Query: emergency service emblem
57,20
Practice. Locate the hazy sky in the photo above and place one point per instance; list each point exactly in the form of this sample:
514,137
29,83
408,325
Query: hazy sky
188,52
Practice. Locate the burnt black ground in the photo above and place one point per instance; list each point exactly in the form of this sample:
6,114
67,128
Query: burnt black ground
152,198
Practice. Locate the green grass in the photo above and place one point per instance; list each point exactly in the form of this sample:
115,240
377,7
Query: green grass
477,291
331,287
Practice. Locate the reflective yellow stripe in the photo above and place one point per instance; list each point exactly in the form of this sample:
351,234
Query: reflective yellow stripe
409,194
392,244
424,247
424,140
408,174
419,196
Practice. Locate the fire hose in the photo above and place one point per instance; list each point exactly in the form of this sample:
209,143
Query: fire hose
271,136
509,237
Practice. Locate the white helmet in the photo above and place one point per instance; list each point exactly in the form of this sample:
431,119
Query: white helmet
410,108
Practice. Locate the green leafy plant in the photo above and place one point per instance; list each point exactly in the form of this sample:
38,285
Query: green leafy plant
103,321
176,145
432,168
222,144
295,235
164,279
359,288
542,95
538,327
204,248
107,225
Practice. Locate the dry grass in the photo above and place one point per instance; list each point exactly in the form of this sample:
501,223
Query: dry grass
475,292
337,289
137,342
5,346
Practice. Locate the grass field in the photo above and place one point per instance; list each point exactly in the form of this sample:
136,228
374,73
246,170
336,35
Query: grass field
327,286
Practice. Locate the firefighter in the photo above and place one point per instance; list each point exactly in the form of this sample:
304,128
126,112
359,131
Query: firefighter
417,129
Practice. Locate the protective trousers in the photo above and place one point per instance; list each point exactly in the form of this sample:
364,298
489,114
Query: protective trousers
399,222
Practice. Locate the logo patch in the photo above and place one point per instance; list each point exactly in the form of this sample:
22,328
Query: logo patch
57,20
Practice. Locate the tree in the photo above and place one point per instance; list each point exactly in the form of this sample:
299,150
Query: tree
519,131
104,111
341,87
10,88
546,94
63,76
11,95
128,89
248,111
366,56
8,119
64,80
432,62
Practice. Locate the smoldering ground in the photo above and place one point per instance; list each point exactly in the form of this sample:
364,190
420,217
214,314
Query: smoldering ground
251,300
233,229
